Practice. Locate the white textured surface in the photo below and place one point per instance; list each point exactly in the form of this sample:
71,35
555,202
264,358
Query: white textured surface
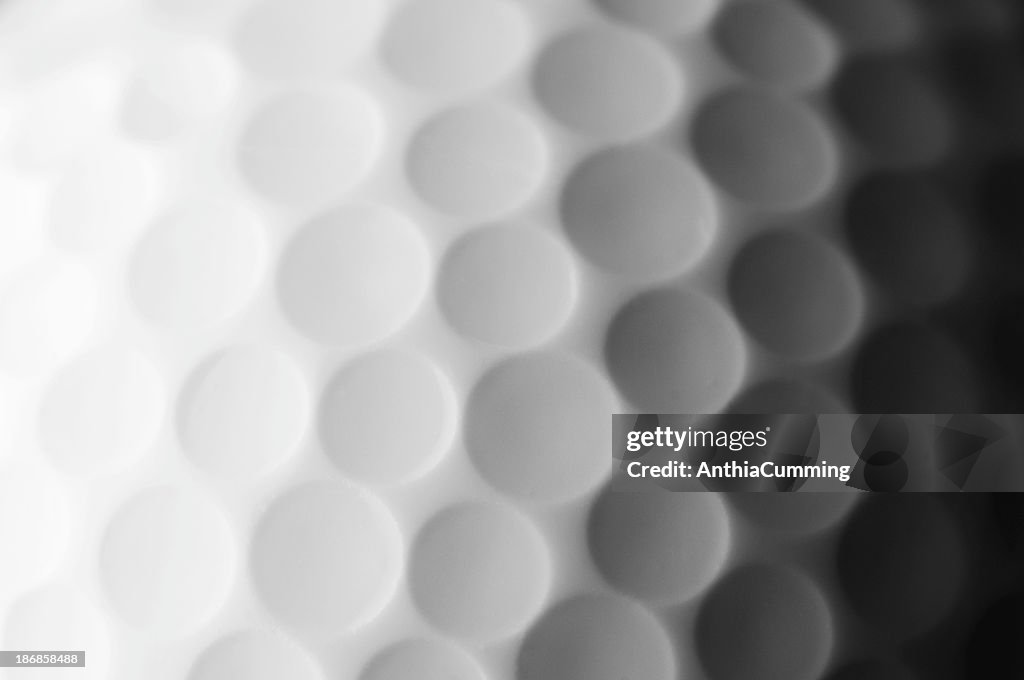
304,146
476,162
326,556
243,411
353,276
363,402
167,560
313,315
479,571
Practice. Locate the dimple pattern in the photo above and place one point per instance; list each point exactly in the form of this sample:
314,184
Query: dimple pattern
313,315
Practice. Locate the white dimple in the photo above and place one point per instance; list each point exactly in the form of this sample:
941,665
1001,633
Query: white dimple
243,411
167,560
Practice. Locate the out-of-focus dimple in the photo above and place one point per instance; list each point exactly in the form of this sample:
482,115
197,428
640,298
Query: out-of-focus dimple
902,564
660,546
609,83
639,211
796,294
507,285
476,161
675,351
907,367
443,46
326,557
776,42
764,621
386,417
894,110
765,149
353,276
167,560
302,147
909,238
479,571
243,411
537,426
197,266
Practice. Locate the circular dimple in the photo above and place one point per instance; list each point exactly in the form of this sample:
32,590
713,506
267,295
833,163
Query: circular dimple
167,560
893,110
661,16
454,45
672,351
777,42
198,266
596,637
639,211
302,147
902,564
303,38
326,556
60,617
662,547
538,426
907,368
101,410
479,571
765,622
102,198
607,82
764,149
354,275
423,659
477,161
795,294
507,285
254,655
243,411
908,238
386,417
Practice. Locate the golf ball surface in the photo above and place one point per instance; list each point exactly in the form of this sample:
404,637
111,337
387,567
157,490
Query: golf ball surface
314,314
